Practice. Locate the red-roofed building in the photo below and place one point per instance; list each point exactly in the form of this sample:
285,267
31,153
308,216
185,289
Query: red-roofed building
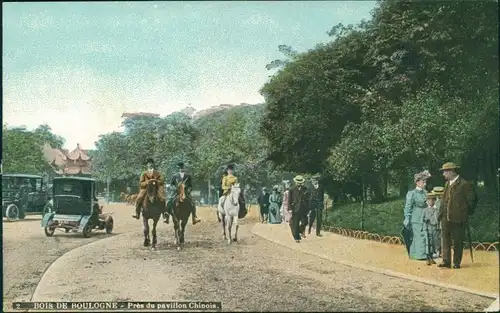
77,162
74,163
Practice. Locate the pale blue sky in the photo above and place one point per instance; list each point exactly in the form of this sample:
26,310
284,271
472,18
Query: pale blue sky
81,64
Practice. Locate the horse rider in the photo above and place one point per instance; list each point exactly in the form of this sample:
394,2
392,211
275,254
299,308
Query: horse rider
181,177
227,182
150,173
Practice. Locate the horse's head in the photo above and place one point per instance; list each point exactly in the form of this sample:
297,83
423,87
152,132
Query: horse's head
152,189
235,193
181,191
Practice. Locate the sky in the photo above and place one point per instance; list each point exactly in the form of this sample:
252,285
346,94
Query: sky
77,66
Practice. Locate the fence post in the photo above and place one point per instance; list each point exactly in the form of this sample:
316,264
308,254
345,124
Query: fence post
363,203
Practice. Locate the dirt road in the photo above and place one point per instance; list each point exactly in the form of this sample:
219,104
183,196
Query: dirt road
27,252
253,274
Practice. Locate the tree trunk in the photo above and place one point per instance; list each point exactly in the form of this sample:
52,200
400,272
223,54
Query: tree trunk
403,183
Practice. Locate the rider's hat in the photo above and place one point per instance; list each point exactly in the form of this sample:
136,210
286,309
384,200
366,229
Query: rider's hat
180,165
230,167
150,160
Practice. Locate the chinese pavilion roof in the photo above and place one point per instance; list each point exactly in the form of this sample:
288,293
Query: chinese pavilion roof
79,153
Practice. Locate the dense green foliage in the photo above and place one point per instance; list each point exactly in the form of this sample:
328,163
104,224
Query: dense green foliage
206,145
412,88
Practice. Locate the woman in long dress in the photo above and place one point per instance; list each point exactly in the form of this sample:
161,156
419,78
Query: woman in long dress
284,205
413,212
274,206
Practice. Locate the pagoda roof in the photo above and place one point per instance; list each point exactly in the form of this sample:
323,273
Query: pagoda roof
73,170
79,153
54,156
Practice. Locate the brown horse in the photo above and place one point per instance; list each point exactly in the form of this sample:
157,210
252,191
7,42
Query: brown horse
123,196
181,210
131,199
152,208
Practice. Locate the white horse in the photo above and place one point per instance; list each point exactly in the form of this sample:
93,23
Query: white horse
228,210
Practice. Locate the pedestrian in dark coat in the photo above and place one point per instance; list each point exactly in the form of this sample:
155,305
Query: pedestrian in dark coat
459,201
317,194
298,204
264,205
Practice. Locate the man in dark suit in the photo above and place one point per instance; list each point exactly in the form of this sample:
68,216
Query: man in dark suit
264,205
182,177
317,203
298,204
458,202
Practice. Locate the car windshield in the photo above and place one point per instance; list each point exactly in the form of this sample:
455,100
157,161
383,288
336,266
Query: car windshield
73,188
9,183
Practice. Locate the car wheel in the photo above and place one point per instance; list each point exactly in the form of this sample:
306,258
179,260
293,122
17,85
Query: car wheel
86,231
109,225
22,213
49,231
12,213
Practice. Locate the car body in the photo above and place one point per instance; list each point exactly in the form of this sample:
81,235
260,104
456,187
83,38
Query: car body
21,194
74,207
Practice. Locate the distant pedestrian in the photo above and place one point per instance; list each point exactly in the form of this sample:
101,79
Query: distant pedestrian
459,201
298,204
317,203
284,206
274,206
264,205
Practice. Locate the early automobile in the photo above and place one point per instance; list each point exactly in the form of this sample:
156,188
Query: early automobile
74,207
21,194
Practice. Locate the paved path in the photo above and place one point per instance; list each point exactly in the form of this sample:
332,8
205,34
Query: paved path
254,274
480,277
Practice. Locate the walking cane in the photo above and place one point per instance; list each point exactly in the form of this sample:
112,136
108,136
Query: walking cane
470,242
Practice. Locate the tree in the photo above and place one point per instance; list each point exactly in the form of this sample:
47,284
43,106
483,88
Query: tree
22,152
45,135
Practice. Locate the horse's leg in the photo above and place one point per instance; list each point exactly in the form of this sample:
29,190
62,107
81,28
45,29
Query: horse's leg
223,224
176,231
146,230
183,229
153,231
235,219
229,221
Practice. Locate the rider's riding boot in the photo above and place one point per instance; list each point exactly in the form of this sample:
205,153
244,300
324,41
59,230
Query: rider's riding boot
137,210
195,218
166,218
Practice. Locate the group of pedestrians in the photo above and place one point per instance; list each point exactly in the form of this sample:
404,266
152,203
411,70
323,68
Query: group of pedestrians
298,205
436,221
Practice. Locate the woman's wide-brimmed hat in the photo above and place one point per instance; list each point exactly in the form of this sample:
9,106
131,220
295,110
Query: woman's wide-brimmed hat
438,190
449,166
422,176
298,179
150,160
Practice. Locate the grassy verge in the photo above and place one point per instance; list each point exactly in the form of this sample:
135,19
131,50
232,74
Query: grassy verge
387,219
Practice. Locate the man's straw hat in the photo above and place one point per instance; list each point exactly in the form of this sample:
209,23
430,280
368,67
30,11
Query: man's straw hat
298,179
448,166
